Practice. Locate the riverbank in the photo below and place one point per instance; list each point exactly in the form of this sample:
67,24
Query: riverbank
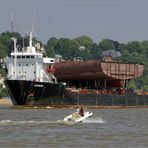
4,101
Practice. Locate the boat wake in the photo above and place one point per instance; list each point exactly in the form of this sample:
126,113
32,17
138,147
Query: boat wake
5,122
94,120
15,122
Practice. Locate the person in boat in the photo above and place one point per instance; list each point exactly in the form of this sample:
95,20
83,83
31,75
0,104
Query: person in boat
81,111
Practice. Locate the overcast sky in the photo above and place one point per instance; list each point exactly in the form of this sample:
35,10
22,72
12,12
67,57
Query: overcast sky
120,20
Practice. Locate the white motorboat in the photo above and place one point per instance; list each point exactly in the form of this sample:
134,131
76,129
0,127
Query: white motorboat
77,118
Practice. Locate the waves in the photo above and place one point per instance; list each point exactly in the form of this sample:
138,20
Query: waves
17,122
94,120
5,122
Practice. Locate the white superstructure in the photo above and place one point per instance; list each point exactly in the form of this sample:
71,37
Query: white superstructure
28,64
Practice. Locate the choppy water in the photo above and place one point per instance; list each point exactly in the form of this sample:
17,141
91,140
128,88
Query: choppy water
109,128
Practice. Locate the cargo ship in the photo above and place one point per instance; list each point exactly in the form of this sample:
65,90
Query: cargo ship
28,82
36,80
100,83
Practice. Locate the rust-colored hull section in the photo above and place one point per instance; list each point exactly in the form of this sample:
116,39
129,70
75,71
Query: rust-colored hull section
122,71
87,70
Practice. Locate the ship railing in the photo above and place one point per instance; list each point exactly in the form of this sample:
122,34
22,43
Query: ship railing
103,91
117,91
106,99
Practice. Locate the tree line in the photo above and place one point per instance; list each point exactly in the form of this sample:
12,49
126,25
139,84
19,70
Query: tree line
84,48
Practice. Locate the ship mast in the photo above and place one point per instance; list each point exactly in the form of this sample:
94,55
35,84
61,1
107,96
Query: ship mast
30,40
14,40
12,23
31,35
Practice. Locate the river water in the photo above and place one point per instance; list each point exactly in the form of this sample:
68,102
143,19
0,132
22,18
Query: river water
108,128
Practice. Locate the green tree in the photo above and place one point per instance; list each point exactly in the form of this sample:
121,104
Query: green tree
135,46
51,43
84,41
95,51
132,85
3,51
3,92
106,44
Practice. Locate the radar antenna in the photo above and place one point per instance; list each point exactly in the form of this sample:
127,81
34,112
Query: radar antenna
12,23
